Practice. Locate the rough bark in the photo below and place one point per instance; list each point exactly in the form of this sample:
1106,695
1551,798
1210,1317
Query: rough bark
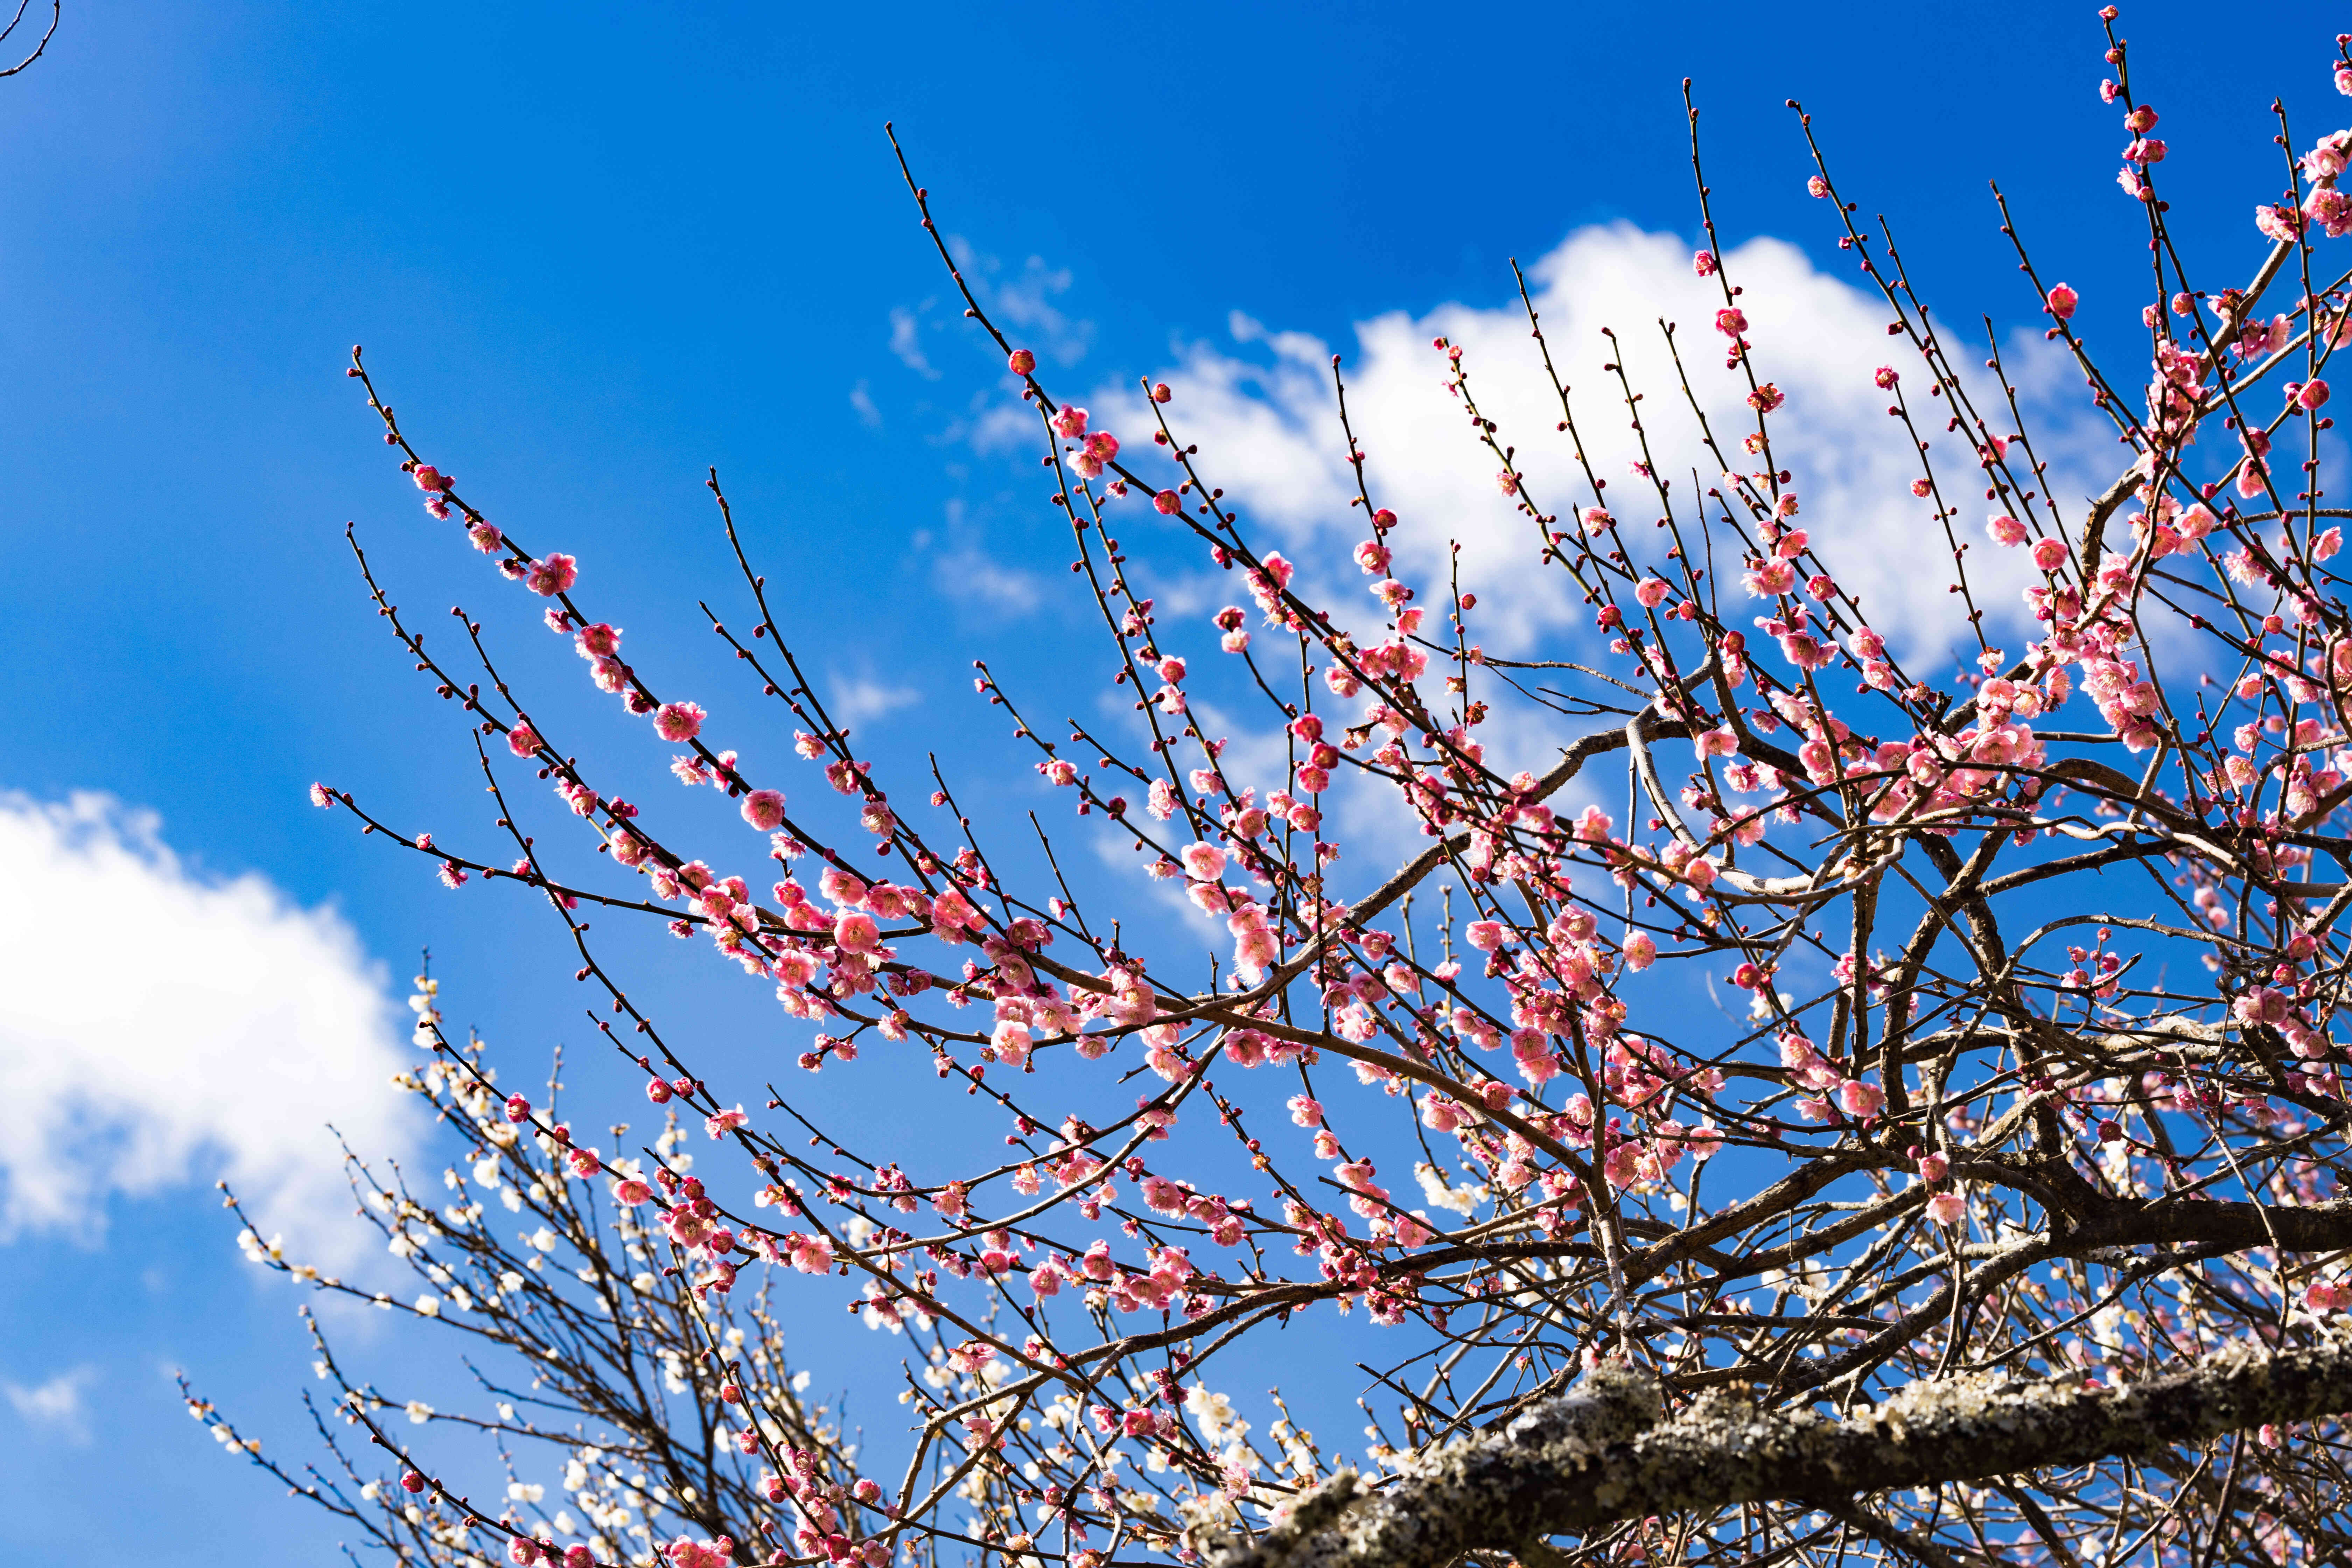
1602,1454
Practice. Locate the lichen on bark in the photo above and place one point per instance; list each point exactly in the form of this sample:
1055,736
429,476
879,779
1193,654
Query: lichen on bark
1608,1451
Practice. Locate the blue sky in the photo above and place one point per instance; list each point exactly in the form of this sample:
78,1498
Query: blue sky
592,250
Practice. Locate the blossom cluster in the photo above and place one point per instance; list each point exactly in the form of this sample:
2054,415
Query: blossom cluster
1859,1019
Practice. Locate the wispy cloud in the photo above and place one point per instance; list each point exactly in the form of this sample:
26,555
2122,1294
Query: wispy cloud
906,339
971,576
56,1404
1024,299
863,401
968,575
163,1027
858,699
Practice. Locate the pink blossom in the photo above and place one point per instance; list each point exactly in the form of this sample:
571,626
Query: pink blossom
951,911
1947,1208
1816,186
553,575
1168,502
2328,158
522,740
2255,339
855,932
430,478
485,538
2006,530
1203,862
2261,1005
1021,361
1861,1099
1809,1068
1440,1114
1703,263
2063,301
2331,209
1641,950
2049,555
1806,652
765,809
2279,223
679,720
1731,322
1650,592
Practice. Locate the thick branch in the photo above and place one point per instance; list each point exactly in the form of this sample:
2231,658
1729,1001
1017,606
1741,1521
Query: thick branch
1600,1454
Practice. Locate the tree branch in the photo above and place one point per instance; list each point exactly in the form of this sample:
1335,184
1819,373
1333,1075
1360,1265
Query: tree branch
1600,1454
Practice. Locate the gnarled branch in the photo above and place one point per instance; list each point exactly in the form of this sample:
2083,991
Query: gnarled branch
1601,1453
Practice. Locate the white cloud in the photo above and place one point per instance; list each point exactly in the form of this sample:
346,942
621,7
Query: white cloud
1265,420
162,1027
972,576
862,400
55,1404
857,699
1025,302
1262,410
906,340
